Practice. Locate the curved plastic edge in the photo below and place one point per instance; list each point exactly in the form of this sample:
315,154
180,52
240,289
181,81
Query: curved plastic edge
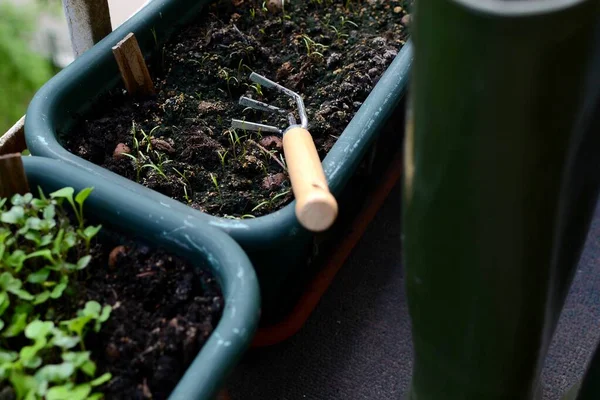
143,218
339,164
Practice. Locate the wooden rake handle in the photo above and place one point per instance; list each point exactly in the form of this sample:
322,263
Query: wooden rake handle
316,208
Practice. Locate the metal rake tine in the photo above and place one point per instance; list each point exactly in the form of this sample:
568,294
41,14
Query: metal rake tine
253,126
259,105
261,80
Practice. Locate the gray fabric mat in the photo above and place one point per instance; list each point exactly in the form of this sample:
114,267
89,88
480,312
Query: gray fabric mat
357,345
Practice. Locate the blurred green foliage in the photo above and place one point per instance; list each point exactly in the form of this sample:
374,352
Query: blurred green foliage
22,71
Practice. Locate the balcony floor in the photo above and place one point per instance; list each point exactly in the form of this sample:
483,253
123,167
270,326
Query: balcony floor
357,343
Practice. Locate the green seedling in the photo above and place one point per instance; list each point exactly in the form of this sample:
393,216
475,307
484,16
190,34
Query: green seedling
222,157
137,163
345,21
184,181
313,48
213,177
257,88
39,250
241,68
224,74
159,165
252,13
339,35
264,8
272,202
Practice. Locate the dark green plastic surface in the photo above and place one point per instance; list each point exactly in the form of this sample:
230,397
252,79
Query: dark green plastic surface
276,243
501,179
206,247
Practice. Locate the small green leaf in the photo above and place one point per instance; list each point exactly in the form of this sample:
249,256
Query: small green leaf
45,253
33,223
22,383
15,260
35,237
60,288
7,356
69,241
76,325
39,276
55,373
91,231
63,340
29,357
68,392
41,297
13,216
38,204
78,358
89,368
56,248
46,240
62,392
96,396
38,329
8,282
4,303
47,224
1,324
92,309
13,285
83,262
80,392
17,325
83,195
101,379
22,294
105,313
64,193
49,212
21,200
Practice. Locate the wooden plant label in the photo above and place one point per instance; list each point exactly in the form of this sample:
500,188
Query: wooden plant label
132,65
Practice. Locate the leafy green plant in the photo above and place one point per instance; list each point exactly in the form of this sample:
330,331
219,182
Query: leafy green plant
313,48
40,250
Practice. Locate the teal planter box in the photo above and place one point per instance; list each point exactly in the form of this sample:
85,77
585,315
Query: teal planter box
202,245
280,249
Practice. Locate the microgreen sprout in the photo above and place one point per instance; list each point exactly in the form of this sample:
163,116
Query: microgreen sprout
213,177
241,68
257,88
313,48
158,166
345,21
40,249
222,157
183,179
224,74
271,202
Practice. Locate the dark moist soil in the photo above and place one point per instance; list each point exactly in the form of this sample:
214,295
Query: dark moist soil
332,52
163,311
